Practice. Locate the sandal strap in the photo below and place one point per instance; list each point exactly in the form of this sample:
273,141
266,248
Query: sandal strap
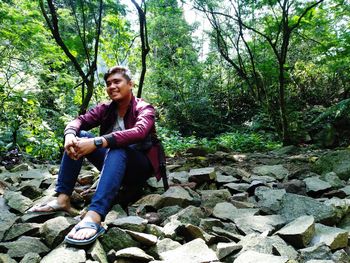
84,225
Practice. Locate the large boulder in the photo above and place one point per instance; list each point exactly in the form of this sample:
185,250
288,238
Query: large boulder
335,161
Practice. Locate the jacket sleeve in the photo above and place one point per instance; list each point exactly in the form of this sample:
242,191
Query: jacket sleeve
144,123
86,121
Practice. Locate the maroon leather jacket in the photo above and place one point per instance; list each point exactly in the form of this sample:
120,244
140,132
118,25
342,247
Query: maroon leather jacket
139,123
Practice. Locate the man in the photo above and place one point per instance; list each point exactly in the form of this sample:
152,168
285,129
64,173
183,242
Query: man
125,153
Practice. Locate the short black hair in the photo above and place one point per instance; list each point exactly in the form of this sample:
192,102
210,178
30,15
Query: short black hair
118,69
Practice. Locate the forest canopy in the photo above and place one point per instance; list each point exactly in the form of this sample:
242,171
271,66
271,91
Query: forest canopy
243,75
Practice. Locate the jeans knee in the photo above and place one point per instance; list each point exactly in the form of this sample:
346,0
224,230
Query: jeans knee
85,134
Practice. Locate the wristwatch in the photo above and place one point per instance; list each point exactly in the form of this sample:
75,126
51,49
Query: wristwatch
98,142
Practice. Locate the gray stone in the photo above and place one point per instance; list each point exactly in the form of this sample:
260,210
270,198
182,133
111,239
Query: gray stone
314,185
269,199
17,201
4,258
208,223
97,252
166,244
170,228
168,211
191,232
20,168
225,249
335,161
298,232
259,224
290,149
211,197
224,179
194,251
153,182
65,254
320,251
23,246
179,177
253,257
133,223
226,211
346,190
54,230
232,235
7,219
257,243
237,187
145,239
31,258
176,196
340,256
134,253
294,206
155,230
293,186
276,171
319,261
30,191
333,237
116,238
190,215
282,248
202,175
116,212
17,230
332,179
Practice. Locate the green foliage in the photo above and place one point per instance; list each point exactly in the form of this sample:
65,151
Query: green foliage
237,141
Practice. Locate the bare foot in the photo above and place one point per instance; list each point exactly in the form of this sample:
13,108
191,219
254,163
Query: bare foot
61,203
85,233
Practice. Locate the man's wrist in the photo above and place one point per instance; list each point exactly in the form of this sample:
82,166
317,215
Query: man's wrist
100,142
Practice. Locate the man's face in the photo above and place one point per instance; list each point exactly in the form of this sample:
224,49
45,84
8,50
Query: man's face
118,88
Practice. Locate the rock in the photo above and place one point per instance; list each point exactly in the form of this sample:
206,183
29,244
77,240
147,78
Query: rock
97,252
194,251
231,235
176,196
17,201
7,219
170,228
333,237
345,190
209,198
224,179
225,249
179,177
237,187
190,215
23,246
294,206
115,213
253,257
65,254
208,223
134,253
31,189
202,175
298,232
168,211
314,185
226,211
340,256
166,244
293,186
54,230
145,239
4,258
259,224
281,248
40,217
133,223
276,171
332,179
31,258
319,261
191,232
20,168
17,230
290,149
269,199
320,251
86,178
335,161
116,238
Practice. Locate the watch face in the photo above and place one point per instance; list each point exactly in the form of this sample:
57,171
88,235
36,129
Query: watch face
98,142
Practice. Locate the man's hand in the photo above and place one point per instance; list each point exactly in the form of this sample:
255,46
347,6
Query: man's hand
69,145
84,146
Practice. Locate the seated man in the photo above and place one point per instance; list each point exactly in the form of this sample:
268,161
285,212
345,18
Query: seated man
125,153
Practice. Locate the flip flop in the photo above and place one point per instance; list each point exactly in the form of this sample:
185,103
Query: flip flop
91,225
53,206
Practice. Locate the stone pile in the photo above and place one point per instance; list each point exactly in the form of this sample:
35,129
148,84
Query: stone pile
286,206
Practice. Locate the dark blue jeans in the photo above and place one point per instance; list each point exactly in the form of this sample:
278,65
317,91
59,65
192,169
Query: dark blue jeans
119,166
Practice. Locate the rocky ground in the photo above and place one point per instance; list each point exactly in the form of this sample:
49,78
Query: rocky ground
291,205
